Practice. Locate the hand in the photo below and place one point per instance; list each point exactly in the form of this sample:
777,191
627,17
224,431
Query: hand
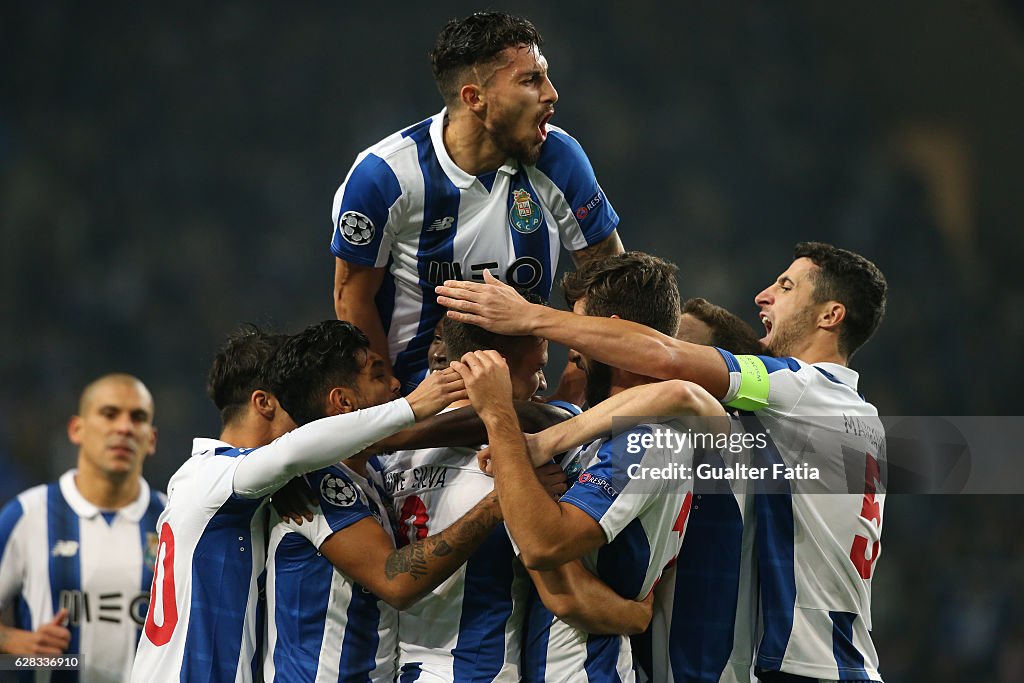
294,500
483,460
493,305
487,381
439,390
52,638
553,479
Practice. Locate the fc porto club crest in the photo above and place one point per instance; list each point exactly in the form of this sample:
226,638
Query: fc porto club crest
525,215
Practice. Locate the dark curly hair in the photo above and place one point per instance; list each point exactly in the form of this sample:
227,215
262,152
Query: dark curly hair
476,39
325,355
240,368
853,281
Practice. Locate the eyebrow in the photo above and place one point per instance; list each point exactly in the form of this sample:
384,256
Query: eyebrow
783,279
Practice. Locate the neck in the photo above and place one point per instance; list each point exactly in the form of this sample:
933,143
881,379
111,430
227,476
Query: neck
818,350
106,492
469,144
247,432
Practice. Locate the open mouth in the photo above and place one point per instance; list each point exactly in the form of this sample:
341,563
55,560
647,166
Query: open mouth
766,321
542,127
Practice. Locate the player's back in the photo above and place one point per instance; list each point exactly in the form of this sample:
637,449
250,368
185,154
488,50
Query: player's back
469,627
202,619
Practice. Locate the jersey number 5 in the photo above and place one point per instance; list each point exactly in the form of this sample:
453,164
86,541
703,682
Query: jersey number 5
162,592
871,511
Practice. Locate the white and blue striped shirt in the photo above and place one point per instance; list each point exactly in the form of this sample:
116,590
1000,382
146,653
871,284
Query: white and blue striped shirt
817,540
321,625
406,206
59,550
643,521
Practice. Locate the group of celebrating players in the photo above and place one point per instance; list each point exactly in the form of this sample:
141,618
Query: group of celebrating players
541,557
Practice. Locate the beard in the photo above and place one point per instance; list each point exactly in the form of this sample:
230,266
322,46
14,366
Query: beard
786,339
502,131
599,382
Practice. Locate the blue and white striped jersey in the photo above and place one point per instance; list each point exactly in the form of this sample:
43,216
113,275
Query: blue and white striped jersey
406,206
817,540
321,625
469,628
59,550
643,519
705,604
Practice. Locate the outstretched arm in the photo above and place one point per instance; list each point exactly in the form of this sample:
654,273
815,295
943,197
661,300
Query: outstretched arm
637,348
583,601
326,441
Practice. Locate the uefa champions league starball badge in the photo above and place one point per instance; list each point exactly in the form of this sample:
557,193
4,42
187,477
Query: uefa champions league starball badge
337,491
355,228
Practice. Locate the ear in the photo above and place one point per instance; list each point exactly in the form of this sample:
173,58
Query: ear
472,97
614,317
75,430
833,313
152,443
341,400
264,403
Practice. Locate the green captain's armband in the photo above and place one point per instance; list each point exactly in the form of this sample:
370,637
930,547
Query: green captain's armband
753,391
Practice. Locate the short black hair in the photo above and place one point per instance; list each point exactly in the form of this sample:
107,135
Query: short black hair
325,355
853,281
635,286
240,368
461,338
728,330
476,39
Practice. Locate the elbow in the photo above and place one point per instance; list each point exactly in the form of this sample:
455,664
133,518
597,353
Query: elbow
398,599
564,606
663,363
543,559
682,396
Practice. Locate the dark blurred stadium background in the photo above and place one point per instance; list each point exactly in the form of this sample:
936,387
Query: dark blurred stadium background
167,173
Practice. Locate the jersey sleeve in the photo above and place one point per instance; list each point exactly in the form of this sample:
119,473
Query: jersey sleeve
763,383
11,573
600,487
316,445
341,506
361,210
591,216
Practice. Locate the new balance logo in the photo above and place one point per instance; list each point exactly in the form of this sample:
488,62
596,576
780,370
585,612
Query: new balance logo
441,224
65,549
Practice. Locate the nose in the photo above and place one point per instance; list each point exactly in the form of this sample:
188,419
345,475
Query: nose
542,381
396,386
123,423
765,297
549,93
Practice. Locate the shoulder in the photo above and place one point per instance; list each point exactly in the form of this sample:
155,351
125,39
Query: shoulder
561,154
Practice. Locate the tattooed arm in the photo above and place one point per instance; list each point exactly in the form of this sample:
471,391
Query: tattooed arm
402,576
609,246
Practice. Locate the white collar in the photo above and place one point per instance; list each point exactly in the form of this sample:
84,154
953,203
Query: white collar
202,444
842,373
459,178
133,512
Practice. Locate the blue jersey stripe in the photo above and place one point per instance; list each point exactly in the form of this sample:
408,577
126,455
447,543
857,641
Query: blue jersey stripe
372,189
359,645
302,587
486,607
532,268
436,248
566,164
601,482
623,563
706,588
65,568
9,518
602,658
221,573
775,553
849,660
536,631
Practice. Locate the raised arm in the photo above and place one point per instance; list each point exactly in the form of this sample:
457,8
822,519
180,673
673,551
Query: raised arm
355,289
328,440
637,348
609,246
548,533
583,601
